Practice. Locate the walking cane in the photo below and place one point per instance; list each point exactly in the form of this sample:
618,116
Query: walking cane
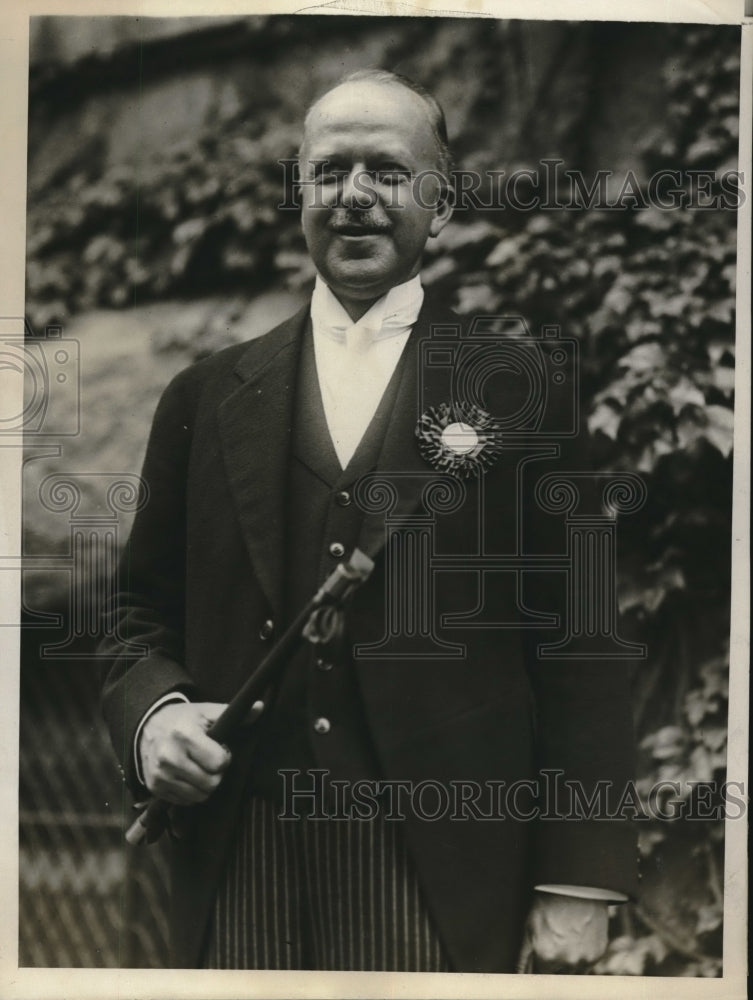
317,622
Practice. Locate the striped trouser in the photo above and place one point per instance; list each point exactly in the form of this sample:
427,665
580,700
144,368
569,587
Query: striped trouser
320,894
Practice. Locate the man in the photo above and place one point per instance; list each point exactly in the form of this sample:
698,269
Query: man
253,469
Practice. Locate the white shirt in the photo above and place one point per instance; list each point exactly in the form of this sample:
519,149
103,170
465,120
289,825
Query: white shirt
355,361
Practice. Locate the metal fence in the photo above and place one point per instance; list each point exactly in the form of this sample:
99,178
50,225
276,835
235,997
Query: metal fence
86,900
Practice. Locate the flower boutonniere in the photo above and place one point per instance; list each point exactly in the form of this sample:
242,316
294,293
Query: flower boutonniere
459,438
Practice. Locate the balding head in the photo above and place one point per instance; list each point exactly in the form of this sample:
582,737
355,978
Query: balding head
430,105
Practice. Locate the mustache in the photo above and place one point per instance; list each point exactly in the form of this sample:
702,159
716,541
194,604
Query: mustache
351,220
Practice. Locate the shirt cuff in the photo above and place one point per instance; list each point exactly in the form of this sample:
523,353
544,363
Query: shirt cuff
584,892
166,699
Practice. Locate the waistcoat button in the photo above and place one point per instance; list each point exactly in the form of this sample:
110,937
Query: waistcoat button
323,664
337,549
322,726
343,498
267,629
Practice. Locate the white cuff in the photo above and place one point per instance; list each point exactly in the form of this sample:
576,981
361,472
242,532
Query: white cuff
584,892
166,699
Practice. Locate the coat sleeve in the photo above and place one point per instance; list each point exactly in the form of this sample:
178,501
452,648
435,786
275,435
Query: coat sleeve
582,704
143,648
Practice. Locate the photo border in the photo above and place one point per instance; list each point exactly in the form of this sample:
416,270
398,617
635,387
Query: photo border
99,984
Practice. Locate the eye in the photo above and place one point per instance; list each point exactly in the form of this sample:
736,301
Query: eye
328,172
391,174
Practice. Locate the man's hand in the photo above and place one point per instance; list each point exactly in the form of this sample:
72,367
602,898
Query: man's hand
564,933
180,763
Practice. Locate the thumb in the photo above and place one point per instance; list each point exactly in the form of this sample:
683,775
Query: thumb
526,956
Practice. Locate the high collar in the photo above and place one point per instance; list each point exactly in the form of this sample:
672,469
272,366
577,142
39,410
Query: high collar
392,314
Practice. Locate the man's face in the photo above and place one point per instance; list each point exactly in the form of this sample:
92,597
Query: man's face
365,217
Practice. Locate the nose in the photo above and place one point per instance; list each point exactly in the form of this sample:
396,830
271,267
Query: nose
358,189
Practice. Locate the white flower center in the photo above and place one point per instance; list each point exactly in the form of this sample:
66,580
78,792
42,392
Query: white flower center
460,438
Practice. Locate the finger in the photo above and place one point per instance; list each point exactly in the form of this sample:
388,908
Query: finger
560,965
209,755
556,966
526,957
177,792
186,770
173,762
587,954
574,955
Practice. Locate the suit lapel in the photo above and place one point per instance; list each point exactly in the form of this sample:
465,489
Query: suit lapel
255,425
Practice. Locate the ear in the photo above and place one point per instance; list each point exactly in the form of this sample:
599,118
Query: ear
443,211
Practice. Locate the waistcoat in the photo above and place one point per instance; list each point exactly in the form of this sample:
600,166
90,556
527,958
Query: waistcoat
316,718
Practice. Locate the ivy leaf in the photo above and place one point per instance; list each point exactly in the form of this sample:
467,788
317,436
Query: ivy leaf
683,393
698,706
652,452
103,250
724,379
709,918
701,765
717,348
714,737
723,311
729,273
456,236
605,418
476,299
706,149
643,358
641,328
666,743
618,299
660,304
719,428
655,219
649,839
189,231
715,674
505,251
610,264
713,423
437,270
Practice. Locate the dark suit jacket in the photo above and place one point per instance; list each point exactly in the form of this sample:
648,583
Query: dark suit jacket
202,573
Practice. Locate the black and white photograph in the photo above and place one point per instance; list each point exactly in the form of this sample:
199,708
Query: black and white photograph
376,425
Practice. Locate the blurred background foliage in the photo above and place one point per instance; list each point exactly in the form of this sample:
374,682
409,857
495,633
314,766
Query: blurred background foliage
155,237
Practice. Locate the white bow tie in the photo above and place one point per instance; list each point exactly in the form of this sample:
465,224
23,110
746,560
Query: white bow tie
355,361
